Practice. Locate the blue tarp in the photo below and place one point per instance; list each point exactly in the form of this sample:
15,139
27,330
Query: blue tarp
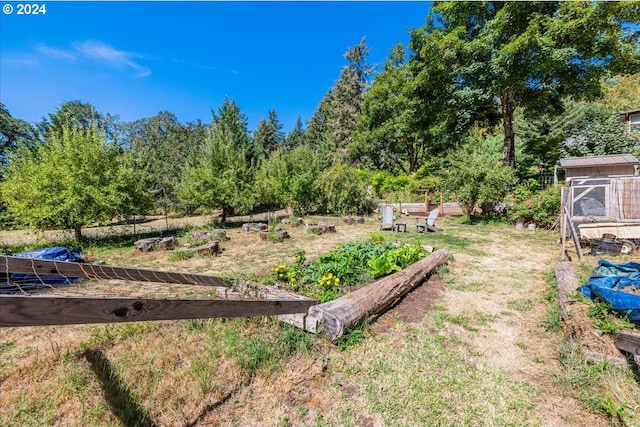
16,281
612,284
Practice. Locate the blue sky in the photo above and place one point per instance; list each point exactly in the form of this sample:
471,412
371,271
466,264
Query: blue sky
135,59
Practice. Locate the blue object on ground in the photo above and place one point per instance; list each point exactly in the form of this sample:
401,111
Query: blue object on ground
19,281
612,282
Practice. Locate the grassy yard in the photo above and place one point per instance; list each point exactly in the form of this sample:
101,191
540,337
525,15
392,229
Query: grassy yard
489,352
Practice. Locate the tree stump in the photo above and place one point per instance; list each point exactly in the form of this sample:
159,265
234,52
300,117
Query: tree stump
146,245
297,223
282,234
168,243
367,303
327,227
219,234
360,220
211,248
349,220
315,229
264,235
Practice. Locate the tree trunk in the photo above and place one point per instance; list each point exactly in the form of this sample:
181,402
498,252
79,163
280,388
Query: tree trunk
508,150
367,303
77,230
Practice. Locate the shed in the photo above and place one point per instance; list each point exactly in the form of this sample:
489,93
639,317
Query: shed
631,120
610,166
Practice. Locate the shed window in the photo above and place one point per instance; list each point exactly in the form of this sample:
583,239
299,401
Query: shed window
634,123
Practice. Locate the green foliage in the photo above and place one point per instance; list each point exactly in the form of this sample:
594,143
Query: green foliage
160,146
296,138
353,337
269,136
410,113
13,131
289,179
475,177
348,263
254,354
539,207
217,176
331,128
606,320
180,256
342,192
70,181
533,54
594,130
395,260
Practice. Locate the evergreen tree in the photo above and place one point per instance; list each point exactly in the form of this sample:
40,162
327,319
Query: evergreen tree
269,136
296,138
234,124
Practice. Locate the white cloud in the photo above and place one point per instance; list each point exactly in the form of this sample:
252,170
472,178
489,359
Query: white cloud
120,59
23,60
55,53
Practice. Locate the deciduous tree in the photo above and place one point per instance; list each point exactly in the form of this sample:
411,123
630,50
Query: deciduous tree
533,54
217,175
73,179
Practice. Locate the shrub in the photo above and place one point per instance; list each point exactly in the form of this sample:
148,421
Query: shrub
542,207
476,178
343,192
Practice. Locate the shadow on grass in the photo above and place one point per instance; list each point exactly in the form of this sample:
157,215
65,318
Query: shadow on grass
118,395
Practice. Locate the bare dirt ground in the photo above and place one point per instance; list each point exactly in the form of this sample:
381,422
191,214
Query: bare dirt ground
466,348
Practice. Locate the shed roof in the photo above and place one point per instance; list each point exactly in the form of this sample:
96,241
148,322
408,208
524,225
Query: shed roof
610,160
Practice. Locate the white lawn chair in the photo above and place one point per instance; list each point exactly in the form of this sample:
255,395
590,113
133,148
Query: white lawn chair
387,222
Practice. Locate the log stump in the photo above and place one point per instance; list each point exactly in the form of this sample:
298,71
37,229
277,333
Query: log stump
282,234
211,248
327,227
146,245
168,243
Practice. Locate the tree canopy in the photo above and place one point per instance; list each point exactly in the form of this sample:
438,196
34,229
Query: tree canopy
533,54
74,179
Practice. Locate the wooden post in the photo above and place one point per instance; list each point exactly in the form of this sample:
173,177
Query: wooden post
426,202
574,234
563,224
367,303
441,204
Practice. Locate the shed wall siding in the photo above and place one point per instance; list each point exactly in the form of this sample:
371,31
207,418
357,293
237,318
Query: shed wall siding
599,172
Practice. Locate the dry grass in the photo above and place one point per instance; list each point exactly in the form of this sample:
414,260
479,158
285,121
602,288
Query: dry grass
482,356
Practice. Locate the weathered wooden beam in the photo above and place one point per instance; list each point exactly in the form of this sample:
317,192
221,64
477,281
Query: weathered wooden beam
567,279
370,301
10,264
574,234
24,310
629,343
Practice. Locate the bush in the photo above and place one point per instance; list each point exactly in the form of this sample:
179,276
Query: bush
343,192
542,207
476,178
